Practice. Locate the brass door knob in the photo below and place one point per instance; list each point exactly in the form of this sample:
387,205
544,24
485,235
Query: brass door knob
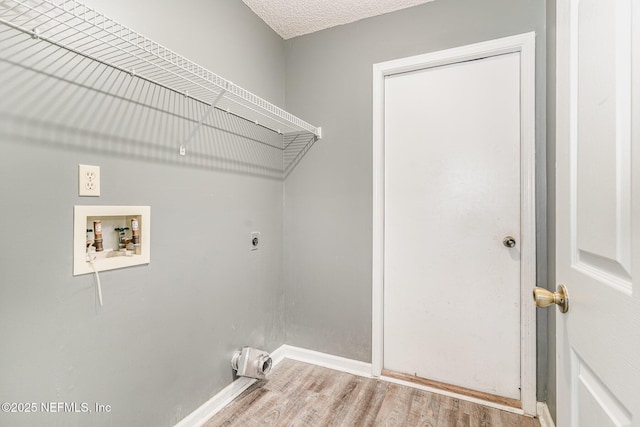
544,297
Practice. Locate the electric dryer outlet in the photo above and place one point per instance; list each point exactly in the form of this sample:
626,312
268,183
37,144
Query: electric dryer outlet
255,240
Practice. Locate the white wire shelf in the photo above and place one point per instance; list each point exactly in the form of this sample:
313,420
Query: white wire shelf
77,28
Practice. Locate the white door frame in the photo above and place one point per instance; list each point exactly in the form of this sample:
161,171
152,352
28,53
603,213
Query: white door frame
525,45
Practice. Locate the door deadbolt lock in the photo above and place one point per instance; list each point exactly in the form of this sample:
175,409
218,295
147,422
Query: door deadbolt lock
509,241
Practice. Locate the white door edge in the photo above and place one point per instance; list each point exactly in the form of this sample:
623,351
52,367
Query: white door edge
525,45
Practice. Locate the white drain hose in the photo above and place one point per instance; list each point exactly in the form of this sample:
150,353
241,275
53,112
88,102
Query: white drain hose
91,257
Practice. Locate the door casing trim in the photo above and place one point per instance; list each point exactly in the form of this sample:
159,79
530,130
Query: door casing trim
525,45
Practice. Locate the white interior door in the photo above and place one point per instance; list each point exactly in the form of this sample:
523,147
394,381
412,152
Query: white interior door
452,194
598,212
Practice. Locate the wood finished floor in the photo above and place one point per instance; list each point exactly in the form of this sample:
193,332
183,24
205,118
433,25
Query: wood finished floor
300,394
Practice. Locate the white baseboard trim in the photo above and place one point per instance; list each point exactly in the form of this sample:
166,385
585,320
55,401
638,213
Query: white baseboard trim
325,360
278,355
544,416
214,405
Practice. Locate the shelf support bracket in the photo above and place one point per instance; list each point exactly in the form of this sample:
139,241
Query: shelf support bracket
196,128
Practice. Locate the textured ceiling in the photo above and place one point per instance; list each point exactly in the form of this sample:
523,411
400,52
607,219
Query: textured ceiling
292,18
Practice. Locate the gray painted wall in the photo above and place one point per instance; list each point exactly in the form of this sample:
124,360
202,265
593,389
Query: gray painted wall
162,343
328,197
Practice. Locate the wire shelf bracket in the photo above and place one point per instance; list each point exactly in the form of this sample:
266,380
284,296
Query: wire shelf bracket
196,128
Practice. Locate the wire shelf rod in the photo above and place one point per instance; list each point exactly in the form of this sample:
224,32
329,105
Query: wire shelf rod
128,71
150,66
86,22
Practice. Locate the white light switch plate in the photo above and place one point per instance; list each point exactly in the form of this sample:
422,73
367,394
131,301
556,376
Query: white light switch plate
88,180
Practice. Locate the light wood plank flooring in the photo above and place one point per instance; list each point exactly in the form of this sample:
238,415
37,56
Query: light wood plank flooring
300,394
